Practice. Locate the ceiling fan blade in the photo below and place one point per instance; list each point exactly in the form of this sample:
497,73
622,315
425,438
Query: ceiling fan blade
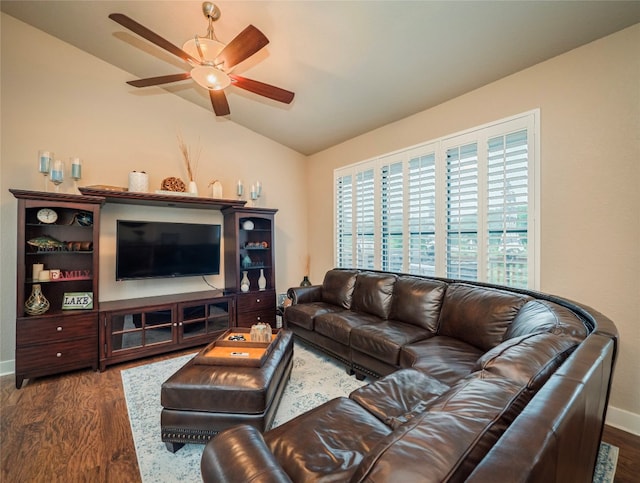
266,90
152,37
163,79
219,103
243,46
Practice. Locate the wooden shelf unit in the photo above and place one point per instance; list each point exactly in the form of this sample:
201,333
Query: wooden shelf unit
64,340
58,340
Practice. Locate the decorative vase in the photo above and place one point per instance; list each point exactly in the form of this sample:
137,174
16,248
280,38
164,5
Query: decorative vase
246,261
244,283
36,304
262,282
305,282
193,187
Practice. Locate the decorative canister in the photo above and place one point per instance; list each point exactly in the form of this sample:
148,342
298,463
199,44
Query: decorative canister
244,283
260,333
262,281
138,182
216,189
36,304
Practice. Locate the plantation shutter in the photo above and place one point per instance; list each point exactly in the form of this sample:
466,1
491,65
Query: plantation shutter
392,217
421,193
462,212
507,213
365,219
344,221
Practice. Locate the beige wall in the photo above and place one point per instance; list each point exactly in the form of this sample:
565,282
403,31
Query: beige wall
589,102
57,97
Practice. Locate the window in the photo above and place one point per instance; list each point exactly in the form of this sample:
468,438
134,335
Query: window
460,207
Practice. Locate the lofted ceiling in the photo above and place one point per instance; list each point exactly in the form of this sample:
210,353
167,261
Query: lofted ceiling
354,65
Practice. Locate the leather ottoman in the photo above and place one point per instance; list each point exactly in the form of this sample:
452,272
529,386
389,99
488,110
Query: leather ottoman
200,400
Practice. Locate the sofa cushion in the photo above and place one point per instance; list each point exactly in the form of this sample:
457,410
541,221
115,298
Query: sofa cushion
337,287
433,445
545,316
444,358
303,315
528,360
328,441
478,315
338,325
372,293
398,397
417,301
384,340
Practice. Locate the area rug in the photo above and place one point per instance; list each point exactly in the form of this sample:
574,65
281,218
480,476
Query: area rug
315,378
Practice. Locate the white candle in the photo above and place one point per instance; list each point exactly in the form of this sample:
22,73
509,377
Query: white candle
240,188
258,188
76,168
56,171
44,161
44,275
37,268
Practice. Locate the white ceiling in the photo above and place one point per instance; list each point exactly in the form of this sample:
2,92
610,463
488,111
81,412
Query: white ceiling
354,66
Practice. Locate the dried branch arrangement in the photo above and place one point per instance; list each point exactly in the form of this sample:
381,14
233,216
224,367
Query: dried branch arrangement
190,161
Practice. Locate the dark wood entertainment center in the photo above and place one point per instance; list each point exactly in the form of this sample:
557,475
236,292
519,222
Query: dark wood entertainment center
111,332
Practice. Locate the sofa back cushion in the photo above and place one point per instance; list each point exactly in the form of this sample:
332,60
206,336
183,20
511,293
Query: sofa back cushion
545,316
337,287
372,293
417,301
449,438
479,316
528,360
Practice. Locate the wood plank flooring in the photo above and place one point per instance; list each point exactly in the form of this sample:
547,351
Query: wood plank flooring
75,428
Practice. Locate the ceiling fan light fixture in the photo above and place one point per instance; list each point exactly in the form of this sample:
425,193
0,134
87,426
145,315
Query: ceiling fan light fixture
210,78
210,49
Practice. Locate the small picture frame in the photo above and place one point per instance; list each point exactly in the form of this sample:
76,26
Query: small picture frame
77,301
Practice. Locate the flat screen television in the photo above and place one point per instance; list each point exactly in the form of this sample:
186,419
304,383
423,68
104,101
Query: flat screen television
153,249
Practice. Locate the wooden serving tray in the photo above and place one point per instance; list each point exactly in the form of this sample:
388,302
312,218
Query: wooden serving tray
225,352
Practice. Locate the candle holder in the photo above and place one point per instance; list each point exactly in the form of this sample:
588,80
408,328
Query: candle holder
57,173
239,189
256,191
76,171
44,165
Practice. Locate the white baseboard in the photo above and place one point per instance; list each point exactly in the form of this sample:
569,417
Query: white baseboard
625,420
7,367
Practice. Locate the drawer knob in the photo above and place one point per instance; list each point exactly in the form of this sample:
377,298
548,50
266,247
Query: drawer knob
258,317
59,354
258,300
59,329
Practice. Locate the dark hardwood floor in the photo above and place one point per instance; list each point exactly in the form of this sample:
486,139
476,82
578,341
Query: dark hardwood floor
75,428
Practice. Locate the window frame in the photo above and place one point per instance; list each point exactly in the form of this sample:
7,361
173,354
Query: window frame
529,121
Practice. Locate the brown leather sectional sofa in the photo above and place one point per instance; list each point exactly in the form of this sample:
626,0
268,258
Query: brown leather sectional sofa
479,383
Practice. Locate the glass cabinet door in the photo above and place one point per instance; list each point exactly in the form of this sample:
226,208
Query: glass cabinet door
202,319
141,329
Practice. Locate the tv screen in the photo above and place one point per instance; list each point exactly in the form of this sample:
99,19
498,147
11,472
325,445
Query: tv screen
152,249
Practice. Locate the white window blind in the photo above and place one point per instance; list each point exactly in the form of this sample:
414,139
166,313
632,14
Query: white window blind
392,217
421,214
461,207
344,221
365,219
462,212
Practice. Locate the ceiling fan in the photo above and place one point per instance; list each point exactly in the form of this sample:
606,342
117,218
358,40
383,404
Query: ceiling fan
211,61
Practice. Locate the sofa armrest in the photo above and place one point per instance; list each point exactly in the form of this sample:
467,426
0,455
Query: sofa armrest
302,295
240,454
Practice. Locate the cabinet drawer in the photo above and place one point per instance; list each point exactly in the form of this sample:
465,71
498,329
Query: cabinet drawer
50,358
257,301
266,316
38,330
